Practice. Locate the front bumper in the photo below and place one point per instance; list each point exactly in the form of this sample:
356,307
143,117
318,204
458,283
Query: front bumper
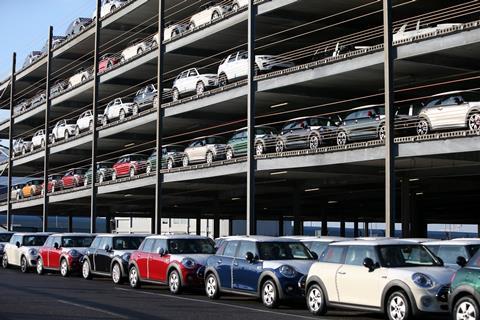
193,277
292,288
433,300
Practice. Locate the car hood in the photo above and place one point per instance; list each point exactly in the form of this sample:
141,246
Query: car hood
82,250
440,275
122,252
301,266
200,259
209,75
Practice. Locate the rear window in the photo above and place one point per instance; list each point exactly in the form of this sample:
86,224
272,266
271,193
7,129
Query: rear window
127,243
76,242
333,254
215,140
5,237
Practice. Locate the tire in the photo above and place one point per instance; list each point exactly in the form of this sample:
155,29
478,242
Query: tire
269,294
191,26
23,264
104,121
259,149
342,138
53,139
170,164
200,88
174,282
229,154
398,307
121,115
185,161
423,127
139,51
66,135
101,178
474,122
212,287
84,79
32,148
90,126
114,175
175,95
5,261
81,29
39,268
77,131
279,146
132,172
42,143
316,300
133,278
154,44
382,134
466,308
64,268
313,142
85,182
209,158
135,110
215,15
24,151
149,168
86,271
17,196
117,274
235,7
222,80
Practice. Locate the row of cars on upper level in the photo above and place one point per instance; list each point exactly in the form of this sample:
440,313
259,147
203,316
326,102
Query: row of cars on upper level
400,278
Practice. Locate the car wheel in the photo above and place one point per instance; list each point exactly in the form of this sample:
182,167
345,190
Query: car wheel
135,110
423,127
341,138
256,70
53,139
117,274
174,282
32,148
211,287
40,266
200,88
175,95
313,142
398,306
139,51
222,80
85,182
235,7
170,163
104,121
23,265
5,261
24,151
185,161
77,131
269,294
215,15
66,135
382,133
90,126
474,122
114,175
259,149
17,196
86,273
466,308
209,157
316,300
81,28
84,79
229,154
154,44
279,146
101,178
42,144
191,26
64,268
149,168
133,278
132,172
121,115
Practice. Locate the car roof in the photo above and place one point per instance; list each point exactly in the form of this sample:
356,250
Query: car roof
317,238
260,239
375,242
366,107
457,242
177,236
73,234
451,92
420,240
32,233
312,117
123,235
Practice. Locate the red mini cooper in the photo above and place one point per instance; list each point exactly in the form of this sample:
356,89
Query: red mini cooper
174,260
63,252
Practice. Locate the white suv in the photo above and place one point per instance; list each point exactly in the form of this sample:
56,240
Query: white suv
209,12
117,109
85,122
63,130
395,277
22,250
191,81
81,76
39,140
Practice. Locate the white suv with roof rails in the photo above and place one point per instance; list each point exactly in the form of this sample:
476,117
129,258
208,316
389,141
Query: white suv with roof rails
22,250
399,278
191,81
450,250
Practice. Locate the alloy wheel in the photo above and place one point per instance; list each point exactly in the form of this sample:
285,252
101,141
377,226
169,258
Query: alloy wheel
229,154
235,7
90,125
341,138
269,294
314,142
474,122
185,161
133,277
149,168
85,182
42,143
66,135
86,270
174,282
135,109
114,175
175,95
465,310
116,274
64,268
23,265
315,300
422,127
191,26
170,164
397,308
77,131
5,261
382,133
279,146
121,116
132,172
222,81
215,15
100,178
139,51
40,266
200,88
211,287
209,158
259,149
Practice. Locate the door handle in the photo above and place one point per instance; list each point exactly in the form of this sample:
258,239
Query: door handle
440,108
235,264
341,272
219,261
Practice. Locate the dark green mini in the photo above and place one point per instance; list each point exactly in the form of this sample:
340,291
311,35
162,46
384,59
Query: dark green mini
464,297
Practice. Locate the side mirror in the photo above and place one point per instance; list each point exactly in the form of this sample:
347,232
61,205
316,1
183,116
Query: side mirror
55,245
161,252
369,264
314,255
249,256
461,261
106,247
17,244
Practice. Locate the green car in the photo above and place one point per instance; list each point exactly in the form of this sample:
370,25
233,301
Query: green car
171,157
265,138
104,172
464,296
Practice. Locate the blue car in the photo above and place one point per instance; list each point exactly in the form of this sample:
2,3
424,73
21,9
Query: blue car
265,267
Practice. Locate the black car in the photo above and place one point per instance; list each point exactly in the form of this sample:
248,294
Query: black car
307,132
104,172
31,58
363,123
144,98
77,26
108,256
4,239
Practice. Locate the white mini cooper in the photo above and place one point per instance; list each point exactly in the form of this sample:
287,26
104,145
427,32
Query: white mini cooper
22,250
398,278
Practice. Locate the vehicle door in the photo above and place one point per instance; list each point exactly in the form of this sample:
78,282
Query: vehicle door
433,110
55,253
149,94
117,106
192,79
116,166
67,179
353,271
104,255
12,251
231,66
235,143
246,273
92,251
296,132
224,263
195,151
125,166
181,82
241,142
332,259
143,258
44,252
158,263
453,111
241,65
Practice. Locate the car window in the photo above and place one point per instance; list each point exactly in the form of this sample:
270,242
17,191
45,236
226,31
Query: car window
474,262
246,246
56,239
471,96
283,251
14,239
232,58
333,254
318,247
148,245
5,237
319,122
76,242
472,250
190,246
159,243
351,116
102,243
34,241
215,140
450,253
452,100
434,102
356,254
192,73
230,248
96,243
243,55
394,256
49,242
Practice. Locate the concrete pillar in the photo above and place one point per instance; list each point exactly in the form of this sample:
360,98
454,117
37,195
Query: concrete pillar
281,231
366,230
342,228
297,207
355,228
70,223
198,226
324,227
216,227
406,216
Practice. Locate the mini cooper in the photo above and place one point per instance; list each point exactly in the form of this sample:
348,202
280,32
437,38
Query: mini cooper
108,256
129,165
264,267
63,252
32,188
21,147
398,278
171,31
136,47
117,109
31,58
22,250
450,250
73,178
81,76
107,61
54,183
205,149
144,98
104,172
265,138
317,244
174,260
5,237
85,122
63,130
39,140
77,26
172,156
192,82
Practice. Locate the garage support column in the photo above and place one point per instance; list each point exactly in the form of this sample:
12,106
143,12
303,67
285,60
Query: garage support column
355,228
93,195
47,121
342,228
324,229
390,190
10,145
252,88
157,219
198,226
406,217
70,223
366,230
297,208
281,228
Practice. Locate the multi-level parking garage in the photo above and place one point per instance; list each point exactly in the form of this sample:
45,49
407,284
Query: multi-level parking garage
333,55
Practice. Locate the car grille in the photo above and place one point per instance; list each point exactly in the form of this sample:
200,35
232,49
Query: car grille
442,294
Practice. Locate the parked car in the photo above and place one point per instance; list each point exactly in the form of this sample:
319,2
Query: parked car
32,188
172,156
306,132
31,58
21,106
104,172
63,130
108,256
117,109
265,138
237,4
144,98
108,6
209,11
171,31
56,41
54,183
16,191
403,34
191,81
85,122
450,110
136,47
5,237
205,149
63,252
363,123
38,99
450,250
464,302
317,244
39,140
403,279
107,61
77,26
22,250
173,260
264,267
20,146
129,165
58,87
235,66
81,76
73,178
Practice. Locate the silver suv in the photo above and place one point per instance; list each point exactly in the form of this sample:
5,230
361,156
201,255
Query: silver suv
205,149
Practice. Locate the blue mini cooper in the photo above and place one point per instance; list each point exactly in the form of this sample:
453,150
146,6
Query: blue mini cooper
265,267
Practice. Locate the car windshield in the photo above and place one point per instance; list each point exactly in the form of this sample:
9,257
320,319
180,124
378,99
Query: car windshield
319,122
127,243
395,256
175,149
215,140
5,237
450,253
34,241
76,242
283,251
190,246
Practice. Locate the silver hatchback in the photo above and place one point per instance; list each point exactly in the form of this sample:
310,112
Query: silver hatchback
204,150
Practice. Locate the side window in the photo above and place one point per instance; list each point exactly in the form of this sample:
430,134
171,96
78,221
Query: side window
192,73
49,242
230,249
433,103
243,55
318,247
95,244
351,116
57,240
333,254
148,245
356,254
102,243
232,58
453,100
159,243
246,246
14,239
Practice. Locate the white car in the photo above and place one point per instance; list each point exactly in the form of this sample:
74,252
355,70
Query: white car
21,107
450,250
109,6
38,140
85,122
21,147
209,12
136,47
81,76
191,81
117,109
317,244
22,250
395,277
63,130
173,30
237,4
403,34
236,66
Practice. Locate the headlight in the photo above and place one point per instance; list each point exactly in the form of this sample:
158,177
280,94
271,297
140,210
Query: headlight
126,257
422,280
74,253
287,271
188,263
32,252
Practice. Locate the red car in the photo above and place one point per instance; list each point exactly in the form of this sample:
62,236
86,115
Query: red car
173,260
73,178
54,182
129,165
107,61
63,252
